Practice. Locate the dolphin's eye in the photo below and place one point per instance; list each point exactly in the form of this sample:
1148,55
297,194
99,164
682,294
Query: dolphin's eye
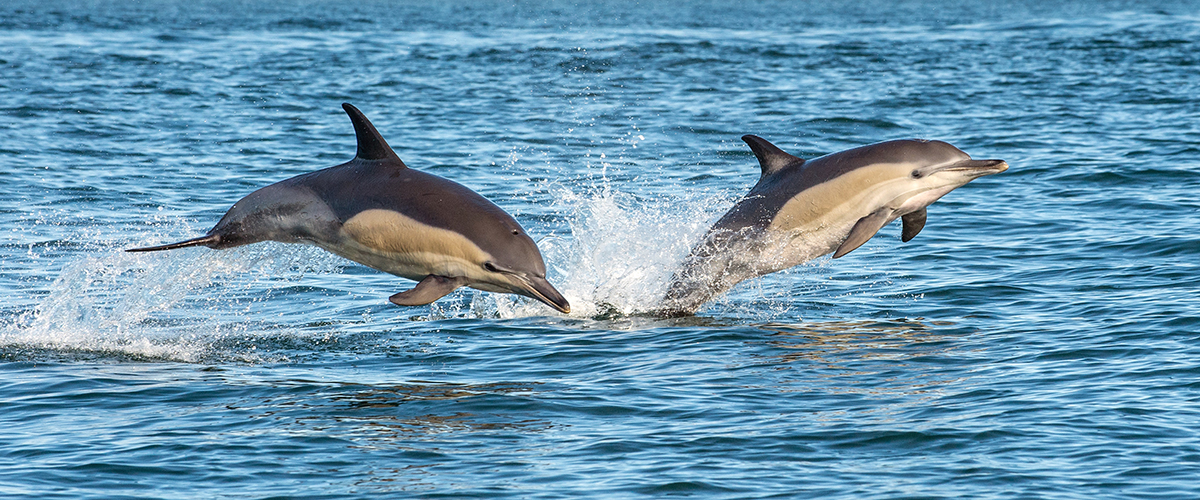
491,267
516,232
916,174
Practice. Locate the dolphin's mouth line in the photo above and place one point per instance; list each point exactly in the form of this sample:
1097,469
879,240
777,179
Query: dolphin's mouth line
978,167
541,296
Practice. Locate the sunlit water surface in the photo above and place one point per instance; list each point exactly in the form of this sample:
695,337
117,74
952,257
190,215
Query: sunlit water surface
1039,339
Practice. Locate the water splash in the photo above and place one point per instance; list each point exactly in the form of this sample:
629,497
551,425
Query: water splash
179,306
620,254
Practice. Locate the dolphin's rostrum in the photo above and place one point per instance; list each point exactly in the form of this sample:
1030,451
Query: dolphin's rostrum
801,210
376,211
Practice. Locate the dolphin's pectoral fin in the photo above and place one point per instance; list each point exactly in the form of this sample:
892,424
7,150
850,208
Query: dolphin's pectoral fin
863,230
428,290
913,222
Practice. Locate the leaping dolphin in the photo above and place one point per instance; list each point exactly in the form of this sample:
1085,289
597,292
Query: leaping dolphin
376,211
802,210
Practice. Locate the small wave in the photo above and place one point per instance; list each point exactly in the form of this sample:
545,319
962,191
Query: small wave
308,23
844,121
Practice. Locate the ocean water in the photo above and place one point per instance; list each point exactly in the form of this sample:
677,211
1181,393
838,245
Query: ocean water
1039,339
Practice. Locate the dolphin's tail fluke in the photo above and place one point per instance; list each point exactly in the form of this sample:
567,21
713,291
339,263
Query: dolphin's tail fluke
207,241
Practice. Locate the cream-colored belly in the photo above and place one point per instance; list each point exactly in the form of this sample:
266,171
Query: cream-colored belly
394,243
818,220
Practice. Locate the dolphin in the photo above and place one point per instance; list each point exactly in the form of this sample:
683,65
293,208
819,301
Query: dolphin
376,211
800,210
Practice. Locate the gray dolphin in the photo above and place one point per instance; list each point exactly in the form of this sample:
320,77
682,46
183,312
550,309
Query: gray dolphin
802,210
376,211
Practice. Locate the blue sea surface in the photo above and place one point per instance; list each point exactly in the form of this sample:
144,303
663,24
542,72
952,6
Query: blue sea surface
1039,339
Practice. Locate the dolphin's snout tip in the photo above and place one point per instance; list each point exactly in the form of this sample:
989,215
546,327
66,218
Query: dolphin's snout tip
207,240
561,305
543,291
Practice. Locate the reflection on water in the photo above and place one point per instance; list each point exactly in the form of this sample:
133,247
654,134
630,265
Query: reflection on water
428,429
892,364
394,395
391,414
871,338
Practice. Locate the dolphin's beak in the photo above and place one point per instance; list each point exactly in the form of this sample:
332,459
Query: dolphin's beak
542,290
979,168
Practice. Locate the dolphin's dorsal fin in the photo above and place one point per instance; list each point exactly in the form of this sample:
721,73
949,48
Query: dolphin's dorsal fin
770,158
371,145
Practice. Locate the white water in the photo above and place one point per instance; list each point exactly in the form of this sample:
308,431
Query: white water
620,255
174,305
